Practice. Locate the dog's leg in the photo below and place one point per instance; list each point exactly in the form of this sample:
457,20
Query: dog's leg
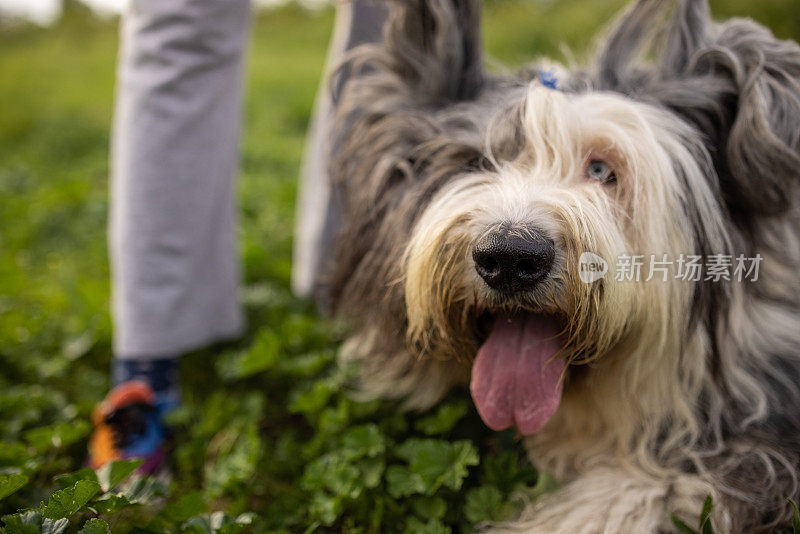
614,501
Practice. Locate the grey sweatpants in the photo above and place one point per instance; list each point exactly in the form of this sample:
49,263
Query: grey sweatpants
172,230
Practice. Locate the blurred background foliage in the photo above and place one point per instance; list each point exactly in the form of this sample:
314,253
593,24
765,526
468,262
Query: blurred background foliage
268,426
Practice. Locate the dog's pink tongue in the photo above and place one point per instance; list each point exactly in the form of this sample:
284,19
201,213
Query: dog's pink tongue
515,379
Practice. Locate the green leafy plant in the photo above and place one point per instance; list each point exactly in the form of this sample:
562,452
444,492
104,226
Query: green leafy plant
705,526
795,517
269,437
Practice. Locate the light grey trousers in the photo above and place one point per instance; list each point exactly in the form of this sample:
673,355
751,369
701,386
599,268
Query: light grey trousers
172,229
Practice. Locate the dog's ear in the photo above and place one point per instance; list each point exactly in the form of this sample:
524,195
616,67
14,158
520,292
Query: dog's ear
434,47
734,81
741,87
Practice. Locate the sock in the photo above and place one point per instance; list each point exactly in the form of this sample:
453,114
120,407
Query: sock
161,375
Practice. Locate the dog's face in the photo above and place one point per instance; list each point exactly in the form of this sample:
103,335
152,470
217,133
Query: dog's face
495,256
472,200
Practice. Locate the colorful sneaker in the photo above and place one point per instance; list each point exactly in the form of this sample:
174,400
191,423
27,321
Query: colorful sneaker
127,426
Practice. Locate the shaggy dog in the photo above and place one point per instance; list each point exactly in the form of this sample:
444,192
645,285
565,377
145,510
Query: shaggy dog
470,200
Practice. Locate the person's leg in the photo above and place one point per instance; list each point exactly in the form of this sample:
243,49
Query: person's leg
318,213
172,234
174,157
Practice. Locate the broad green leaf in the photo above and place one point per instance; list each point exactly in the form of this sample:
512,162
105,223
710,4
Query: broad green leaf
95,526
68,480
11,483
218,519
113,473
198,525
372,470
439,462
261,356
235,464
333,419
364,440
185,507
54,526
143,490
506,470
29,522
306,365
462,455
225,413
335,473
64,503
401,482
444,419
483,504
110,503
325,509
311,401
247,518
429,507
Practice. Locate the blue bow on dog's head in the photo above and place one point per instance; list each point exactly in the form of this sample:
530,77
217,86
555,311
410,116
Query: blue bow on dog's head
548,79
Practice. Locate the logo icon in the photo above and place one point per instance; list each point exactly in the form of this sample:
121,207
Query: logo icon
591,267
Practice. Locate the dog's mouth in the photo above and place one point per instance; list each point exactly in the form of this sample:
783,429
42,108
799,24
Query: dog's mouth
516,377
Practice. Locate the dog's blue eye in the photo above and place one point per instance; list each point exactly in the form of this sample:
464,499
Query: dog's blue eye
599,170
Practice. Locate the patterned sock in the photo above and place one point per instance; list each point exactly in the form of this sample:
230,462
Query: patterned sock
161,375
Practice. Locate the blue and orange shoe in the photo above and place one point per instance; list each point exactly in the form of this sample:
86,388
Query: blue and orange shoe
127,426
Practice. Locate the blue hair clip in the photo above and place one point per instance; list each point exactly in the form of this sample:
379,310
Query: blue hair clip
548,79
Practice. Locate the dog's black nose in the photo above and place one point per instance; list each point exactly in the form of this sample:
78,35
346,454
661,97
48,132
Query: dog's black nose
512,260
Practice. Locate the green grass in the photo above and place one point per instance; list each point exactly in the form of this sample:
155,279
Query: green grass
267,427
